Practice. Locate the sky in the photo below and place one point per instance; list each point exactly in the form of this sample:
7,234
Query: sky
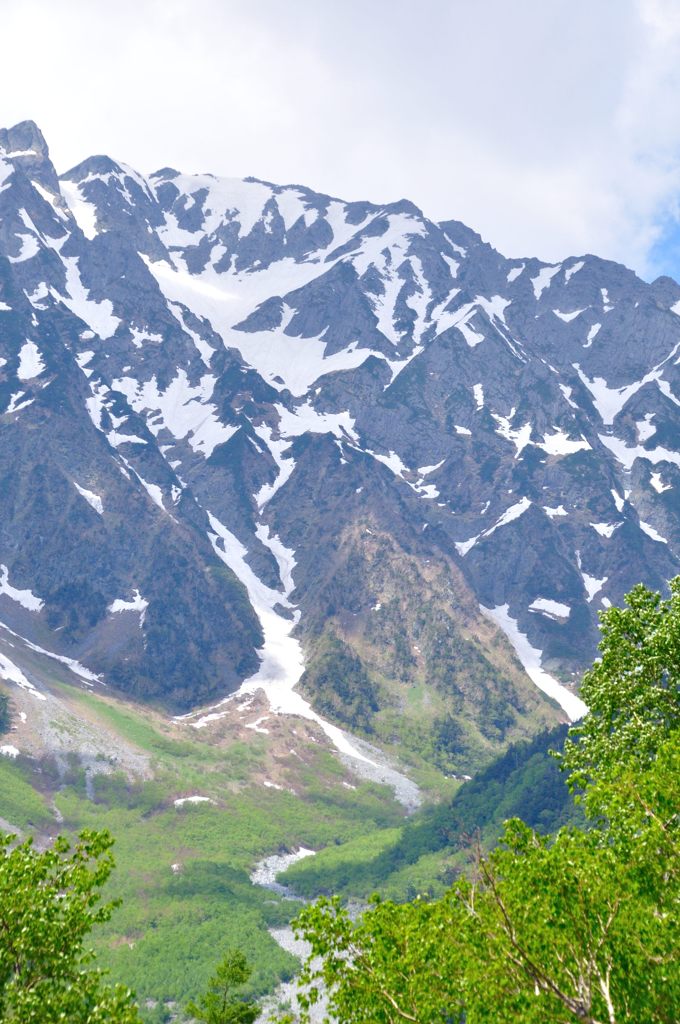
551,127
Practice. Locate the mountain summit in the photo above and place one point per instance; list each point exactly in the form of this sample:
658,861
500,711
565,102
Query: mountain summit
250,432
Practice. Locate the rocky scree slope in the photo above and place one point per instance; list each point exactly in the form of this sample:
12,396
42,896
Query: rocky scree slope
242,424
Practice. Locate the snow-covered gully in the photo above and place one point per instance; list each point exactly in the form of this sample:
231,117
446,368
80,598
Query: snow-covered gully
282,660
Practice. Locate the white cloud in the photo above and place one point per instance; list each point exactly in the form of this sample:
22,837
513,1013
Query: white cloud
550,128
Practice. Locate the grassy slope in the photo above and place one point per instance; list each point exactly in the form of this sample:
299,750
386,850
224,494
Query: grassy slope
173,925
20,803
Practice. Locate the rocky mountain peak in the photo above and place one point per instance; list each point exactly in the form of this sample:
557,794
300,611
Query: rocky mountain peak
24,148
23,142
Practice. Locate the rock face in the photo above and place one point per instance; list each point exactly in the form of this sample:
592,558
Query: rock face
220,395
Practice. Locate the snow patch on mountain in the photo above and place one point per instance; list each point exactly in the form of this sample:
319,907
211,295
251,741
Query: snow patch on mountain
573,269
645,428
553,512
277,448
195,799
543,279
93,500
651,532
618,500
26,598
292,207
494,307
520,436
222,200
13,674
97,315
137,604
84,213
18,401
610,401
531,658
304,419
592,584
153,490
284,361
658,484
567,317
392,461
205,350
426,470
387,252
183,409
510,514
627,454
605,529
82,671
397,365
285,557
29,248
6,171
592,334
30,361
553,609
560,443
472,337
82,359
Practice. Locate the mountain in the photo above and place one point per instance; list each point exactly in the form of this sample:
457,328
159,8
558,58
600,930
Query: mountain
252,432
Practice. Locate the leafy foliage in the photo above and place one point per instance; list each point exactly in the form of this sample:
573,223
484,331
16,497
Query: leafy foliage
49,902
221,1004
525,781
633,691
581,925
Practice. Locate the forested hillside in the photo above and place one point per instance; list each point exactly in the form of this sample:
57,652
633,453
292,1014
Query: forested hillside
423,855
578,925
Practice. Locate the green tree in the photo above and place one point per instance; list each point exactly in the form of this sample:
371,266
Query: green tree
632,691
221,1004
582,925
49,902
